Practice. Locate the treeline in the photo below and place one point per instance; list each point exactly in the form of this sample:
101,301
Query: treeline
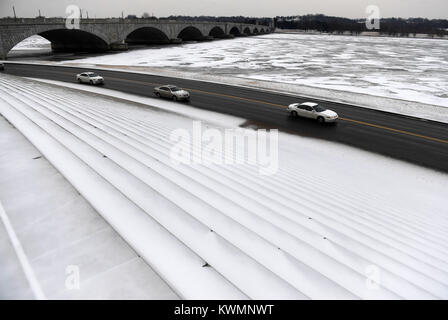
390,26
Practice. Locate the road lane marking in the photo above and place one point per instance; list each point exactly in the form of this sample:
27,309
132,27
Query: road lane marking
284,107
239,98
394,130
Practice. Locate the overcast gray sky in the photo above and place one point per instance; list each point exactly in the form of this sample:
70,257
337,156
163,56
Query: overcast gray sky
269,8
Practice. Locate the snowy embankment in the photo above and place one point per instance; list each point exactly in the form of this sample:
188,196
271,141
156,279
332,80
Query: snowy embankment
50,231
333,223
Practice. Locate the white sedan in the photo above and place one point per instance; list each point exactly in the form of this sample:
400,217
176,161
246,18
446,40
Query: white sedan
90,77
172,92
312,110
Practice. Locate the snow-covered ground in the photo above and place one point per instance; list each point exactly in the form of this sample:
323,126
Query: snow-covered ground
49,234
33,43
333,223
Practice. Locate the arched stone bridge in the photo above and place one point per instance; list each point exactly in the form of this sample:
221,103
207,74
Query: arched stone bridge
115,34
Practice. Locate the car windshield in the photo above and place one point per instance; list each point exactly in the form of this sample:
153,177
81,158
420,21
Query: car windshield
175,89
91,75
319,108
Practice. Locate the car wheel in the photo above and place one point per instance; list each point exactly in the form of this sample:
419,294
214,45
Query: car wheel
79,80
91,82
320,119
157,95
174,98
294,114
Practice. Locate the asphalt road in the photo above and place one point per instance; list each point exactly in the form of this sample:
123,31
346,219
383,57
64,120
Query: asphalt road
414,140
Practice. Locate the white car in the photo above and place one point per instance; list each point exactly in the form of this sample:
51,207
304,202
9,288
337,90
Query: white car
90,77
172,92
312,110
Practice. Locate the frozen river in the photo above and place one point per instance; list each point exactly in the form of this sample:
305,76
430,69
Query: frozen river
401,68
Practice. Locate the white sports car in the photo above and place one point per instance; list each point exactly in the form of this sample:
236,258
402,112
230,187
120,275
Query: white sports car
312,110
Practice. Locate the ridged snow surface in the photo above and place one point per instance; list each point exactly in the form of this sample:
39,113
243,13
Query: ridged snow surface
333,223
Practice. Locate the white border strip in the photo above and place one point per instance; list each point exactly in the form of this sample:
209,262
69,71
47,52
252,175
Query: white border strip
27,269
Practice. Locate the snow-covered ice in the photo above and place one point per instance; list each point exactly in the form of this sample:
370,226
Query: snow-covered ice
35,42
333,223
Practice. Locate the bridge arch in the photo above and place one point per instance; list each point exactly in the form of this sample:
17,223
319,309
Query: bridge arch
216,32
262,30
255,31
69,40
147,35
235,31
190,33
247,30
61,39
